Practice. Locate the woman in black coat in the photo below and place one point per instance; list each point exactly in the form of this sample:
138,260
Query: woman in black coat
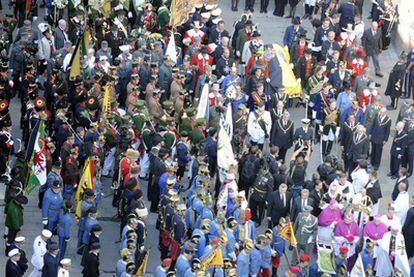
396,81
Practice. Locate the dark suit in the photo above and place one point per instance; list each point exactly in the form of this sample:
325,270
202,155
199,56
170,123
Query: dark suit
358,149
372,46
276,209
408,232
409,151
395,191
379,136
348,11
328,47
297,206
60,38
13,270
316,197
282,136
397,149
51,265
91,268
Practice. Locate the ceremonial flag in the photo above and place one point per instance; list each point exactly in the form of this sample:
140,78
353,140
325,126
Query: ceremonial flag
37,151
281,74
214,259
106,102
86,182
225,156
358,269
143,267
287,234
171,49
106,8
75,62
202,109
85,49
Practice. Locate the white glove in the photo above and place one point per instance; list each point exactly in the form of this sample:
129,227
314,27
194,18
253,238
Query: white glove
273,252
267,80
238,53
286,48
11,83
337,132
142,248
236,245
129,14
233,257
44,62
299,80
320,128
44,221
313,114
292,65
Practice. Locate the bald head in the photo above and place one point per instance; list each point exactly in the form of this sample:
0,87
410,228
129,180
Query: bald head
374,25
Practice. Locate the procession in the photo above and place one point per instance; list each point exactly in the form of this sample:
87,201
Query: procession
202,138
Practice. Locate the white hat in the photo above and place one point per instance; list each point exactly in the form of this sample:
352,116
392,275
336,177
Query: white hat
198,6
210,7
13,252
43,27
46,233
66,261
216,20
125,48
103,58
216,12
141,212
305,120
19,239
205,15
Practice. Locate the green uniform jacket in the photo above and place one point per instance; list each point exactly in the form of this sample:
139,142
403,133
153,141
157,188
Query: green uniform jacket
14,217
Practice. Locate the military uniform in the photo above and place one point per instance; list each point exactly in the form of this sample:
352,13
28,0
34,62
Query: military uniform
357,150
52,203
397,151
178,236
330,129
64,225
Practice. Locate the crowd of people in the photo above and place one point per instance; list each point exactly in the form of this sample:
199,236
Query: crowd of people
198,118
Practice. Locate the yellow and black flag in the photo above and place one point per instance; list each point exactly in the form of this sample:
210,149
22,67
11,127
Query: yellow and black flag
75,62
287,234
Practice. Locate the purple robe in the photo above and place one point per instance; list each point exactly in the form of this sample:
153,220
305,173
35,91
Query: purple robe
342,229
375,231
328,215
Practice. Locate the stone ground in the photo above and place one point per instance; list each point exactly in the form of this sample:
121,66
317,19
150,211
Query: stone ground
272,29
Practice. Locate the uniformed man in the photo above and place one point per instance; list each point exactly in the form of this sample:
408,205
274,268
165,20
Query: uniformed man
256,256
305,227
12,268
243,259
23,262
330,127
50,260
89,223
52,203
303,135
397,149
141,229
88,198
39,250
379,135
6,139
232,247
195,268
179,232
64,225
259,125
346,134
91,267
371,112
203,231
183,261
161,270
